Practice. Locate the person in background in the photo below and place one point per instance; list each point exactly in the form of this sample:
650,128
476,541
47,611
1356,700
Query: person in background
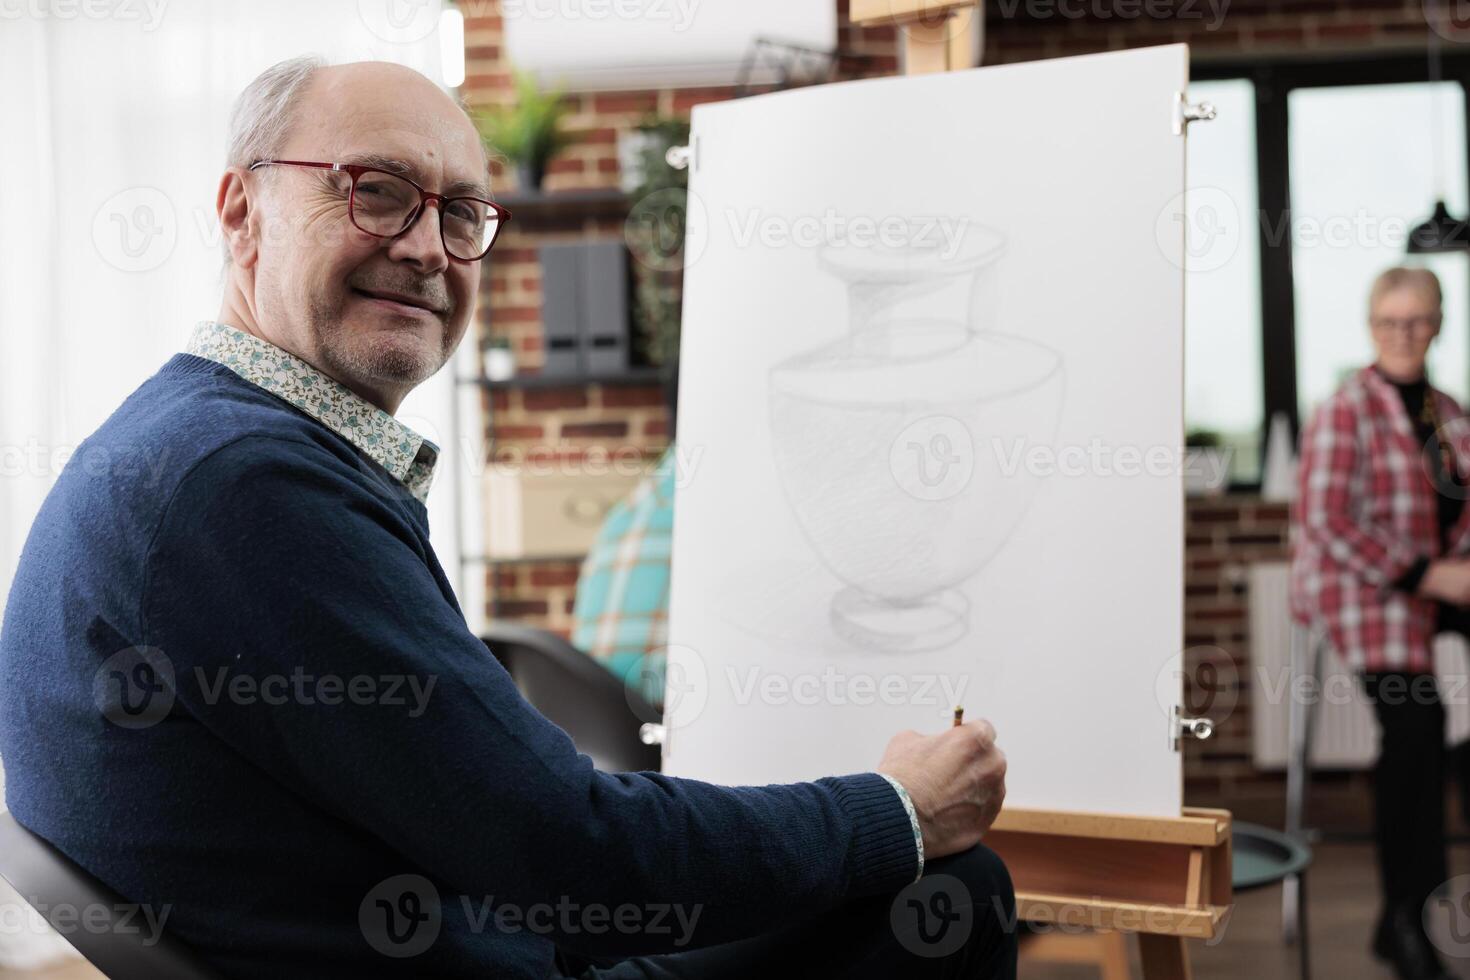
1381,532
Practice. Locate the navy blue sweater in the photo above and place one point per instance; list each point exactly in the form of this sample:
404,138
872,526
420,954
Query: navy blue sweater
236,686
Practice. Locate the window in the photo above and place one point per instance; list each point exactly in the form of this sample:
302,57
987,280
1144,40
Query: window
1362,175
1222,293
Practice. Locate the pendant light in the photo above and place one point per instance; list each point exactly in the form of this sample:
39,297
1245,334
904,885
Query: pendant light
1442,232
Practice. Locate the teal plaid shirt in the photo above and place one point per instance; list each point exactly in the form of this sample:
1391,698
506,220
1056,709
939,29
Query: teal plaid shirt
621,613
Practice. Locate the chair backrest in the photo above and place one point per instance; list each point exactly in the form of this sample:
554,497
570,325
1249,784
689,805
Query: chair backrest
600,713
107,929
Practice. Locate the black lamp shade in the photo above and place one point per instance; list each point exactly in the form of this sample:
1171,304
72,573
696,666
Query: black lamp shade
1441,233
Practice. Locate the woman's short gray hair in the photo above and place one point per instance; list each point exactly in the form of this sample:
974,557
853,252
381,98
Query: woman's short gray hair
1418,278
260,121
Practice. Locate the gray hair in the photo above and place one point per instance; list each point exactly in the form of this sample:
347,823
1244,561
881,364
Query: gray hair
1406,277
260,121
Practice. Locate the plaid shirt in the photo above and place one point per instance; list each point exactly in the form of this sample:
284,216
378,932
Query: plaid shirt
1365,512
620,614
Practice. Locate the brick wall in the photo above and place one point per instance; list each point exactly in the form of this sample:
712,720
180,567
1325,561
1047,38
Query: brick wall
1223,535
564,423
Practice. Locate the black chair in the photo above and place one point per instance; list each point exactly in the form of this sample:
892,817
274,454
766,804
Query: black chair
600,713
88,914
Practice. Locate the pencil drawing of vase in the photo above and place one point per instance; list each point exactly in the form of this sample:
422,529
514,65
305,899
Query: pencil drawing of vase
901,446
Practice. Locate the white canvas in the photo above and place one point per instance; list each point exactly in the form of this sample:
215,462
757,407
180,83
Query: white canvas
929,426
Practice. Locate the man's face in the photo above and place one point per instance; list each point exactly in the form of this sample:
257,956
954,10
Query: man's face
377,314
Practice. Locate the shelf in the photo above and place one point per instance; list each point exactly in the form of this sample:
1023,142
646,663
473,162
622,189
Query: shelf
632,376
525,559
561,208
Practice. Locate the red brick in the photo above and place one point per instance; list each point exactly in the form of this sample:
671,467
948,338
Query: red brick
554,576
594,430
519,432
625,102
551,399
686,99
632,396
511,608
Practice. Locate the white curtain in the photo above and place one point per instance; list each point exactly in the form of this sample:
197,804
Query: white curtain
113,128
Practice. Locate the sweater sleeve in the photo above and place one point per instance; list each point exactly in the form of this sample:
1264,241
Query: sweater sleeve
277,570
1330,455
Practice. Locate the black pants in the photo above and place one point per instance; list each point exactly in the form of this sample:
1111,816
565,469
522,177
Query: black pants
934,928
1408,820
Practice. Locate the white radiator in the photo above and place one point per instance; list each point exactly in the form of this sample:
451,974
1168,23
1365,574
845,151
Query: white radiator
1344,734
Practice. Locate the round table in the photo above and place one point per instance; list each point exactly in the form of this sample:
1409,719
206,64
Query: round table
1261,856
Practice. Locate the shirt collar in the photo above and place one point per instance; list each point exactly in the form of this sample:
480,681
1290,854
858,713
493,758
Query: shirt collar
392,445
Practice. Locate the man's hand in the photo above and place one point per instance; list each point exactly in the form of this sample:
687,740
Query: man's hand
1445,578
956,781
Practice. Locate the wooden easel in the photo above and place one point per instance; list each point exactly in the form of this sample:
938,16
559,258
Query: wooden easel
1093,876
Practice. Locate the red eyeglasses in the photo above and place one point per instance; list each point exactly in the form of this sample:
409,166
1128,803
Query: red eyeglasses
385,205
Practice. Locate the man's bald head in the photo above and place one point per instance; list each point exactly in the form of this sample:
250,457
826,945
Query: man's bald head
378,312
276,102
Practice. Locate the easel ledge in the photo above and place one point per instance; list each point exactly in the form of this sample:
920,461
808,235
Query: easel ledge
1167,876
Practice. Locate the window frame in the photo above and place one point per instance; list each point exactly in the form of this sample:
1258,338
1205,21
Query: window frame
1273,81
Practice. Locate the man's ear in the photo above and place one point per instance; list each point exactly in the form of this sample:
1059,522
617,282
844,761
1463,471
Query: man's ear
235,209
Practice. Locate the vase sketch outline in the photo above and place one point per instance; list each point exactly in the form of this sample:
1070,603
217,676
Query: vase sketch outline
887,440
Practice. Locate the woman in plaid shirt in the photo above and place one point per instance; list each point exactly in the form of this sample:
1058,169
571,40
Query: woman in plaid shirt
1380,538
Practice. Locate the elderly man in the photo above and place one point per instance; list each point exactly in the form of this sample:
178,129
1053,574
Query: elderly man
235,684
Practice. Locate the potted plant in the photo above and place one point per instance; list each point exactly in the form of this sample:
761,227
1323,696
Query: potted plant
1206,463
654,232
528,132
